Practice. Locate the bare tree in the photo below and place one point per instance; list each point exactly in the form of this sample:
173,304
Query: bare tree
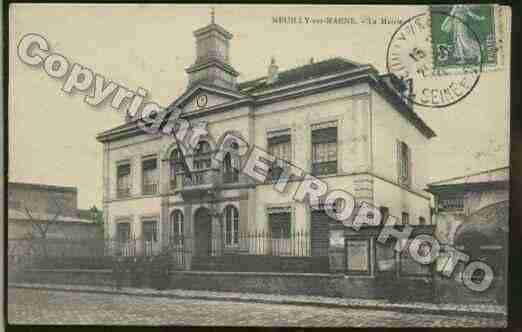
40,228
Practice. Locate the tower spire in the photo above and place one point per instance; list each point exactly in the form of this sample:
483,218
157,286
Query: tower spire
212,15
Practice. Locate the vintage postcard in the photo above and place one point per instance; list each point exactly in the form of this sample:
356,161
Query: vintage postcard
258,165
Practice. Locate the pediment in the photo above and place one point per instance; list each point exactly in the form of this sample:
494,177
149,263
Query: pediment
204,96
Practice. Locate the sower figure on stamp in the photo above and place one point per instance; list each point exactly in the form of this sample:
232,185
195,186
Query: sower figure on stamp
466,48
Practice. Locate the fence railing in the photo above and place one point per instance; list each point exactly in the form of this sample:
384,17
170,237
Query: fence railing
296,243
182,250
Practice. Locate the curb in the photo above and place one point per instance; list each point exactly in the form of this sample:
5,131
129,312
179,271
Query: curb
410,309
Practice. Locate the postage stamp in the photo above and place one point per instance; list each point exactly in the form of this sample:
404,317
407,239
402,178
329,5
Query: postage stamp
458,37
410,57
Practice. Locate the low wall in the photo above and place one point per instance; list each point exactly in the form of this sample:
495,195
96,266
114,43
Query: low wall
449,290
63,276
332,285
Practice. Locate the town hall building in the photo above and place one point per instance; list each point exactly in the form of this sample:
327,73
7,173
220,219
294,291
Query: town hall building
336,119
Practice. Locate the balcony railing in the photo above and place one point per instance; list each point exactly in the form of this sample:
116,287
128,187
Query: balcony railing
200,177
230,177
150,188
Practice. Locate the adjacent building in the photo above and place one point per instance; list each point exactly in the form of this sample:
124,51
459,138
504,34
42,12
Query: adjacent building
336,119
472,214
43,221
53,208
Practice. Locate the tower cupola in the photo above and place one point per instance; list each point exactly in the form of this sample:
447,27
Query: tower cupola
212,64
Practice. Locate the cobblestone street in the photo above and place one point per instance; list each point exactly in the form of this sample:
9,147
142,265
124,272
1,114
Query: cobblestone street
29,306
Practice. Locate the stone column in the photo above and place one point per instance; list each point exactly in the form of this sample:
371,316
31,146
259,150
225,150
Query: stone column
164,191
188,226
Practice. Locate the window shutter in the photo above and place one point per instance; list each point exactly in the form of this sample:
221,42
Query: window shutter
410,168
398,155
123,170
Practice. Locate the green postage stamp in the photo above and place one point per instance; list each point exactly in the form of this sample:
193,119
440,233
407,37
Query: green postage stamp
467,37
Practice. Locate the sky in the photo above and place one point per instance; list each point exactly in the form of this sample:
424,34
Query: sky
52,133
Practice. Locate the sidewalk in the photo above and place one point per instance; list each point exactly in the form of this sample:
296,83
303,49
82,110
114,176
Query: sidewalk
482,310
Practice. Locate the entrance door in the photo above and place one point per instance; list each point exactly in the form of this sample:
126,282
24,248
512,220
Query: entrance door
320,233
202,232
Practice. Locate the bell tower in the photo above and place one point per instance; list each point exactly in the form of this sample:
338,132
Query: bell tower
212,57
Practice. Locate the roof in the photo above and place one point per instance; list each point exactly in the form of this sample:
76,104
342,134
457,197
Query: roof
326,68
492,175
18,215
43,187
301,73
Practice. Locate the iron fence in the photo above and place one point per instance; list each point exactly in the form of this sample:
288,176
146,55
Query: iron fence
185,252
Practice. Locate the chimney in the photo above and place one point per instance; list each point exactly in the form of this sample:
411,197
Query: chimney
272,72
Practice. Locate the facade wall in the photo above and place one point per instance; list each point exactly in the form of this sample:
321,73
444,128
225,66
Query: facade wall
348,106
388,126
367,127
399,200
40,199
66,230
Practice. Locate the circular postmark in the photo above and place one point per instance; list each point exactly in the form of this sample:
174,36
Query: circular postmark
432,75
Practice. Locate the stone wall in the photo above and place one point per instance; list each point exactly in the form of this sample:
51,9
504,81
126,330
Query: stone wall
332,285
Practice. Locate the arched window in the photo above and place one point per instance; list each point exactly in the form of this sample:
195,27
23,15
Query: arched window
231,226
175,169
231,164
176,227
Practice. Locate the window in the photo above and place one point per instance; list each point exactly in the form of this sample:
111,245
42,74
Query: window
123,184
175,169
150,230
358,256
324,149
280,225
422,221
279,146
176,227
405,218
231,164
231,226
404,162
150,176
123,231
